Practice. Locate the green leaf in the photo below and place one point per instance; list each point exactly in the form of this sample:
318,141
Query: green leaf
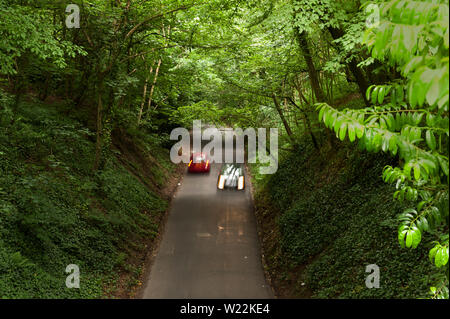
401,235
359,130
393,145
342,131
381,94
441,258
432,252
337,124
351,132
385,144
377,141
409,238
430,119
416,171
413,237
431,140
368,92
329,117
322,110
433,92
444,165
407,169
374,95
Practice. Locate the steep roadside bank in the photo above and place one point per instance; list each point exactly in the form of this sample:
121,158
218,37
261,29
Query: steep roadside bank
140,165
55,210
326,215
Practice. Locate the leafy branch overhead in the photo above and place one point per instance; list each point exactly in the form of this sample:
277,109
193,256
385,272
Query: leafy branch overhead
409,118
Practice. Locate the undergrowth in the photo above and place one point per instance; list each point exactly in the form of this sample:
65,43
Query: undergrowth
55,211
334,216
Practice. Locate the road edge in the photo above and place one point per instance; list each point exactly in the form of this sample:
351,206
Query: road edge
153,251
264,264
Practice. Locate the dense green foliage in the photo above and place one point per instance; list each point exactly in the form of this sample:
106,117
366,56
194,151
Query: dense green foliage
409,118
85,115
55,212
344,220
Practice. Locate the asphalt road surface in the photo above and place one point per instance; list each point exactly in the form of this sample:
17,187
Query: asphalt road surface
210,248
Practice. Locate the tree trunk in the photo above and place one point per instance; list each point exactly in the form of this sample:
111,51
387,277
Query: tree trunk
152,90
98,144
307,123
353,66
283,119
144,95
314,79
306,120
157,69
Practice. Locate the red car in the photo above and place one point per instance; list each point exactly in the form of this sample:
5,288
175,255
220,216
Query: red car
199,163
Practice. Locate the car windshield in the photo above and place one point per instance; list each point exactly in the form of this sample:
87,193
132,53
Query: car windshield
232,169
199,158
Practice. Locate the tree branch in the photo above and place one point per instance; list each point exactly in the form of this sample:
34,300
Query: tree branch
140,24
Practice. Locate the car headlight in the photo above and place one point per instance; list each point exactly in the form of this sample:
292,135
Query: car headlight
221,183
241,182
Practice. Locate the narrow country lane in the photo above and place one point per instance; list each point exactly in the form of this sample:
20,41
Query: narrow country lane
210,248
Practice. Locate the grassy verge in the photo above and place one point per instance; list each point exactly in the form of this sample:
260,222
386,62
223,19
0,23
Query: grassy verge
55,211
324,216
